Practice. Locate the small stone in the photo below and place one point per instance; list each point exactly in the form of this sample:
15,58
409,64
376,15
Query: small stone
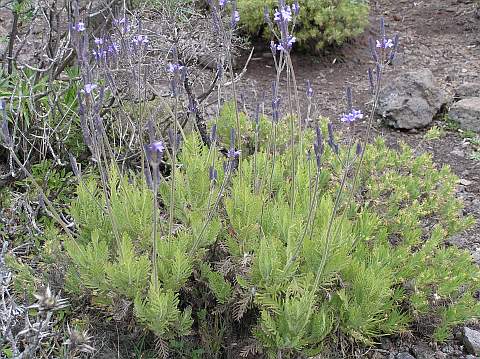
385,343
450,77
405,355
470,356
471,340
476,257
423,351
467,113
465,182
458,152
440,355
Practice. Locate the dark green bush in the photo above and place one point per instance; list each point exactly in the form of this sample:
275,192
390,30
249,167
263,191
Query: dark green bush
320,22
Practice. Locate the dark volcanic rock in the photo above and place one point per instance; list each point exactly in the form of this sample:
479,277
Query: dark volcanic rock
411,100
467,113
471,339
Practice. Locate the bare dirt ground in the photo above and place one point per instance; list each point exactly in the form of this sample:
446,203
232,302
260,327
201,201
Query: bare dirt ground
442,35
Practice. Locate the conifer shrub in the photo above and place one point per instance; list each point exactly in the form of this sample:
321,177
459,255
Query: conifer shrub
290,278
320,23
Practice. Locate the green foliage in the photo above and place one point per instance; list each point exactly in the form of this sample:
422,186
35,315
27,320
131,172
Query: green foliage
291,275
160,313
129,274
254,136
55,182
410,191
111,257
475,156
25,282
474,140
217,283
320,22
434,133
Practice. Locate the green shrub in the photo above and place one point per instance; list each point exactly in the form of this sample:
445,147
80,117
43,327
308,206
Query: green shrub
384,266
320,22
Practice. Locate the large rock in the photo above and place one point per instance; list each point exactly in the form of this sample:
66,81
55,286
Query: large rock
471,340
466,90
411,100
467,113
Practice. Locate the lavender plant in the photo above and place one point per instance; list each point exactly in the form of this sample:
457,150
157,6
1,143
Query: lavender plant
249,233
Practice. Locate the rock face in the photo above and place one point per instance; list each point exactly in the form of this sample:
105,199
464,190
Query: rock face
467,113
471,339
411,100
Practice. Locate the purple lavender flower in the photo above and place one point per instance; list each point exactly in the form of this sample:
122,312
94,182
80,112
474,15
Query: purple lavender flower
277,16
219,70
80,26
140,40
394,49
88,88
98,40
318,146
222,3
99,54
283,15
309,89
352,116
212,174
192,106
273,48
286,46
331,139
359,149
296,8
235,17
233,154
154,152
385,44
276,109
122,24
118,22
174,68
113,47
213,134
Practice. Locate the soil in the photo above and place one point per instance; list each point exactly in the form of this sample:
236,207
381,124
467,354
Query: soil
442,35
